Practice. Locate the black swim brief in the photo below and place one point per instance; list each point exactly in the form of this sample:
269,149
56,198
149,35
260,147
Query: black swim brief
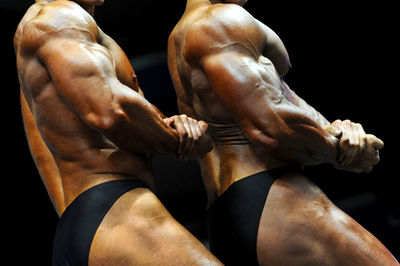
234,217
81,219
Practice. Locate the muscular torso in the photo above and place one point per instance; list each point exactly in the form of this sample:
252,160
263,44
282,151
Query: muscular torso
228,70
233,157
83,156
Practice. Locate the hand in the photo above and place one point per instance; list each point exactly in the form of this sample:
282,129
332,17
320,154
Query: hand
368,158
193,141
358,151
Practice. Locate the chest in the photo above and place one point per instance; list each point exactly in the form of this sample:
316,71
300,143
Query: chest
275,51
123,68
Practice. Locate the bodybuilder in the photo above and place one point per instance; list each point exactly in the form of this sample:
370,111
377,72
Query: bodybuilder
91,133
228,69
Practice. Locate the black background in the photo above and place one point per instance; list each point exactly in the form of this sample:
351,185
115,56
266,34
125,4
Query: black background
344,61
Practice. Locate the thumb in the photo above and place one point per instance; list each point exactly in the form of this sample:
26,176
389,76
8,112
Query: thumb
374,142
203,126
169,121
333,131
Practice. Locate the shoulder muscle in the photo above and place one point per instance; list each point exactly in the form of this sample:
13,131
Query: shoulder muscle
223,27
59,19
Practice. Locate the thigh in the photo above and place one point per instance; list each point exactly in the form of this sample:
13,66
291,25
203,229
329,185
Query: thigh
301,226
138,230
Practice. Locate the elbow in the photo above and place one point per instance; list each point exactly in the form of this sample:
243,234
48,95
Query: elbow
279,143
262,138
270,133
279,147
105,122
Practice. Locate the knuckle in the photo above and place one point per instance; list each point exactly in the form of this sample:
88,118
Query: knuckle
345,140
203,124
352,144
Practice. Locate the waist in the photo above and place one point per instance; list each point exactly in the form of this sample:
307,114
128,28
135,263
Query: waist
73,186
227,133
104,189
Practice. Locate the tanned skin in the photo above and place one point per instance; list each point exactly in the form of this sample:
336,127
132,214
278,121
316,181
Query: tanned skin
87,122
228,69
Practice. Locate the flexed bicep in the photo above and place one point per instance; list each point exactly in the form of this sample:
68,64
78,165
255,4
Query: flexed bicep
247,90
253,92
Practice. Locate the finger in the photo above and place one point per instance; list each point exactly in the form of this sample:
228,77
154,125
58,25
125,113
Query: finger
200,135
353,144
363,144
362,134
354,133
347,151
188,142
343,147
348,142
197,129
169,121
196,136
182,133
351,155
203,127
374,142
337,123
333,131
362,138
191,138
166,120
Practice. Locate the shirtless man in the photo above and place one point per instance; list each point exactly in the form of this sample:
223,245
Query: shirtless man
91,133
228,69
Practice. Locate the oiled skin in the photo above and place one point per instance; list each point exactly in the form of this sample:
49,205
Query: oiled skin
228,69
87,122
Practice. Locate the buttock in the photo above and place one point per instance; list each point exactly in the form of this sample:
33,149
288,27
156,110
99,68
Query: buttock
80,221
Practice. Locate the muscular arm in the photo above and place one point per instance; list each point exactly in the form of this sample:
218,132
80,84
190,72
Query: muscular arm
248,85
254,95
302,104
277,53
84,74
